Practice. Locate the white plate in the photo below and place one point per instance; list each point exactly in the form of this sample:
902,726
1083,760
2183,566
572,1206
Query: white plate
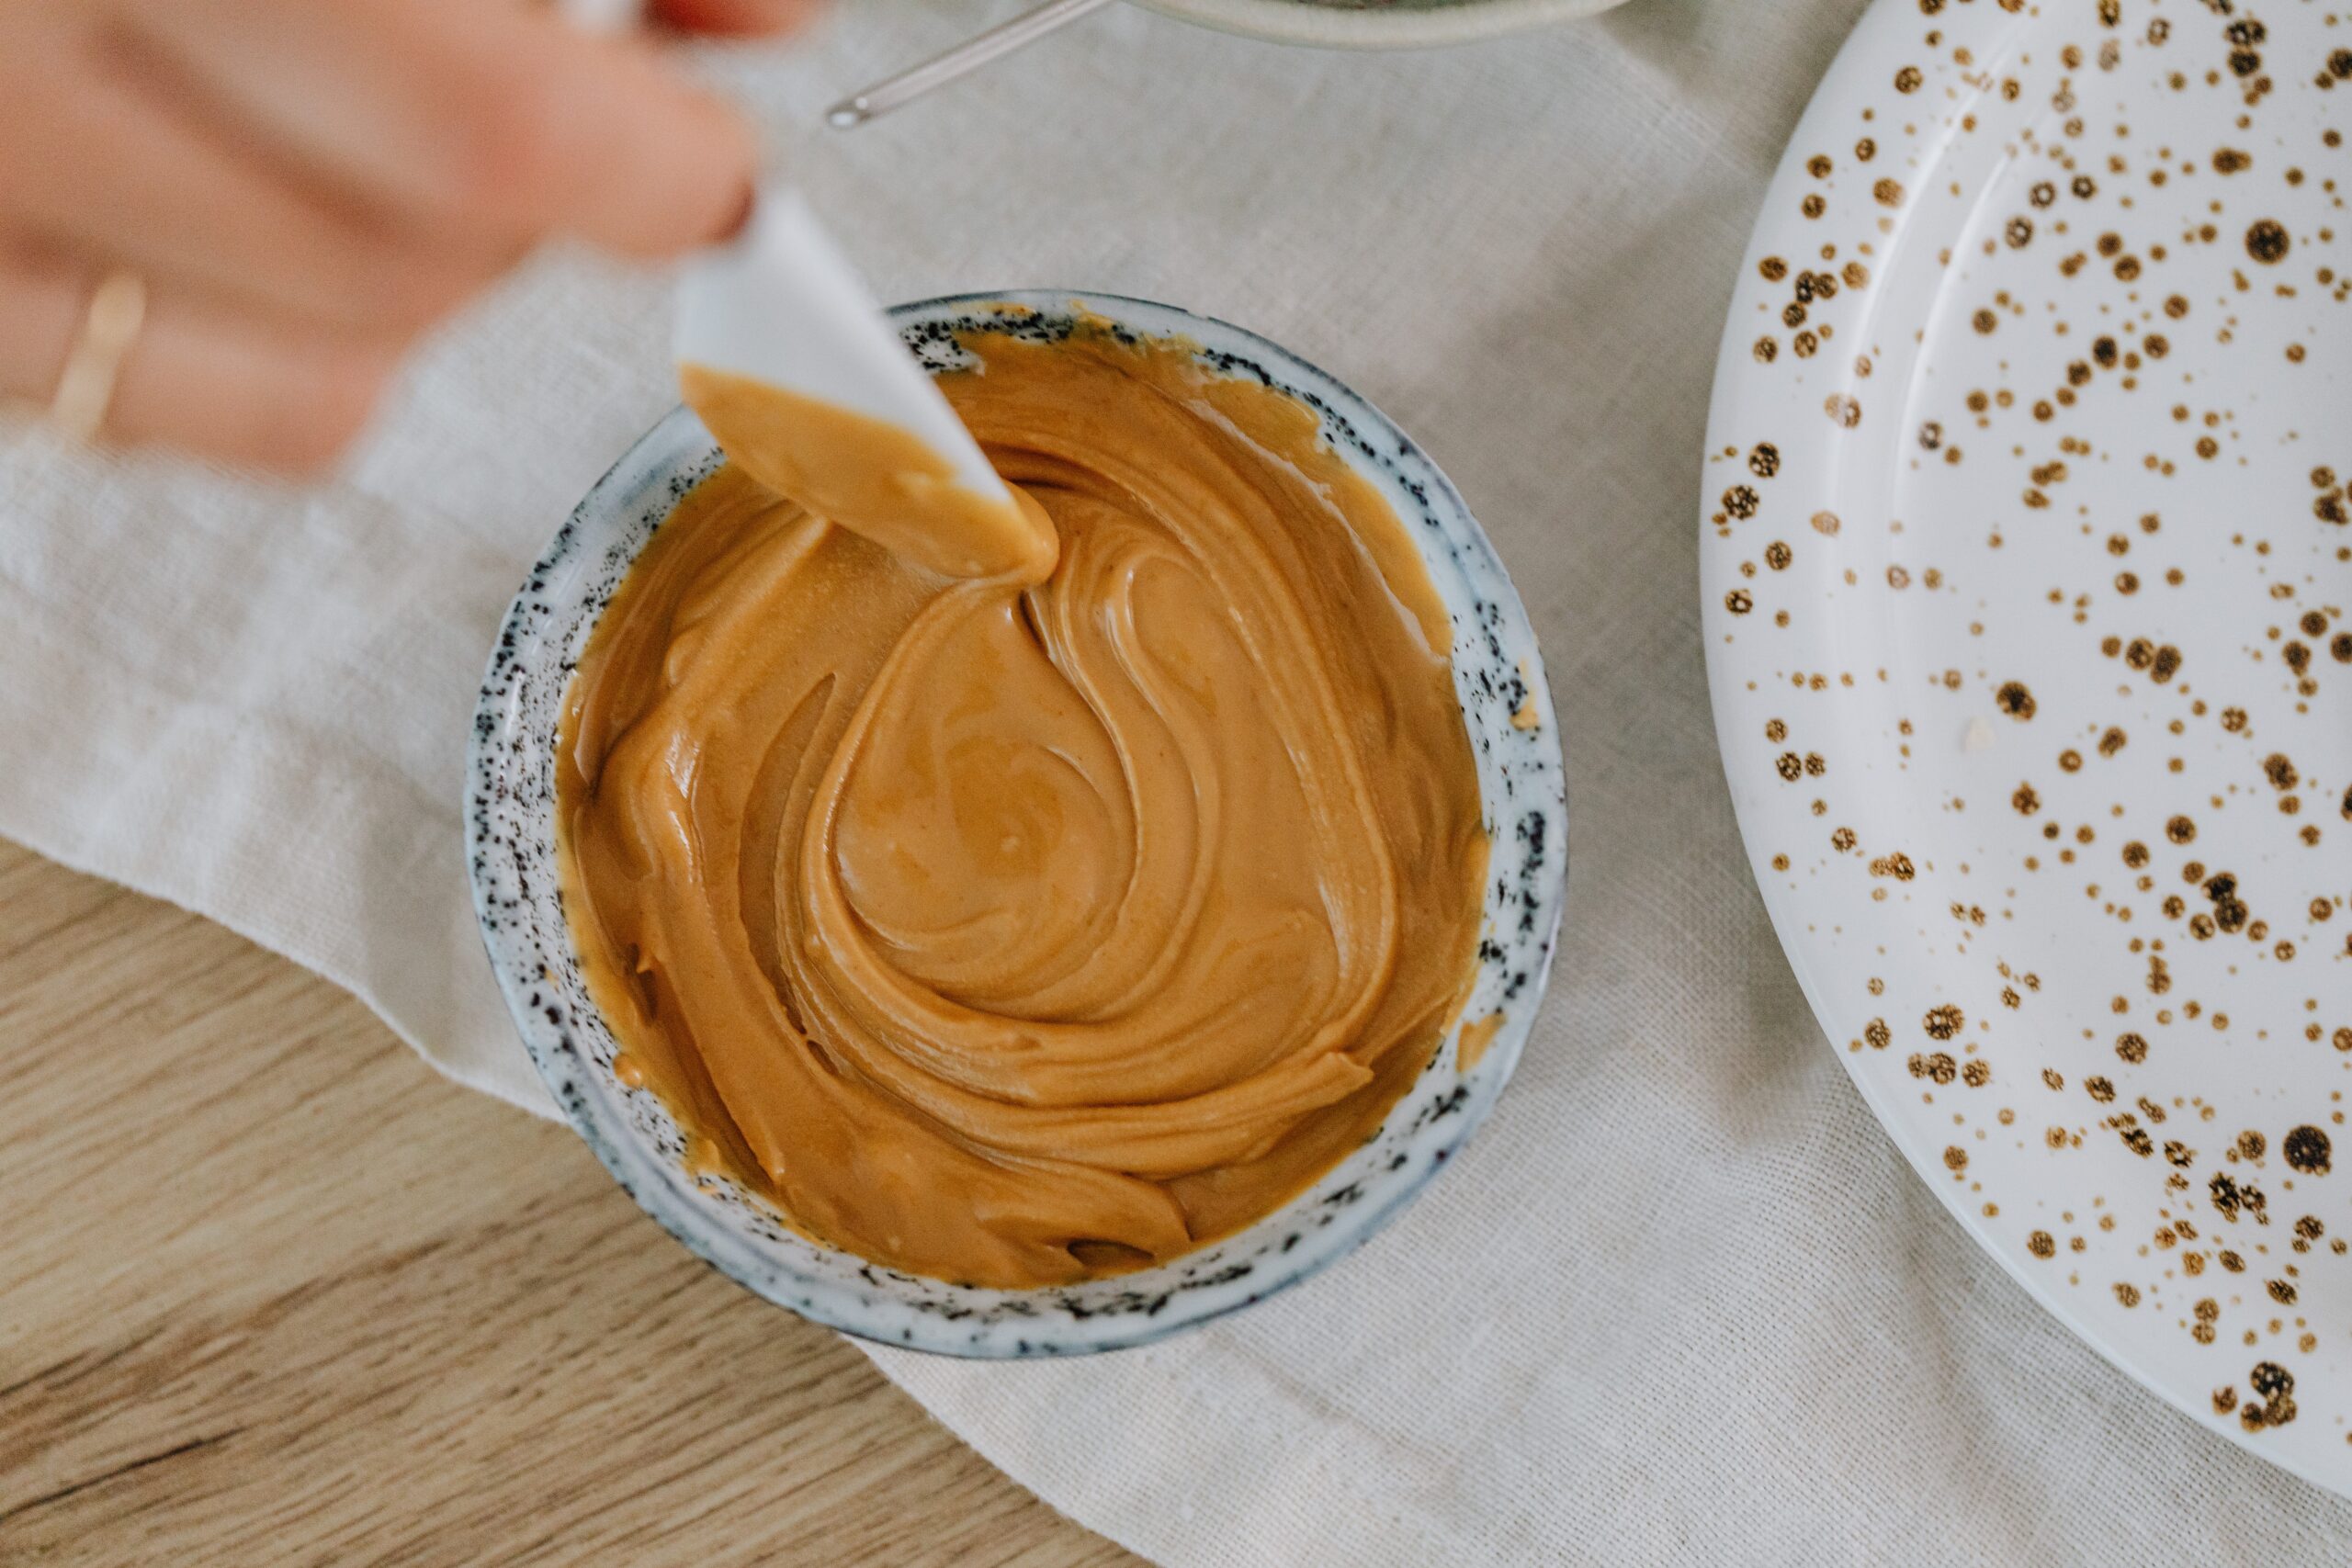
2024,561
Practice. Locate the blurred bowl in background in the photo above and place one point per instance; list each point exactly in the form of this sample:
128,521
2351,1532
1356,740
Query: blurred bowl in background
1378,24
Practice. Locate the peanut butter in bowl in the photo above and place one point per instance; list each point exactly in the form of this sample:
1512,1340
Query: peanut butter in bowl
1053,934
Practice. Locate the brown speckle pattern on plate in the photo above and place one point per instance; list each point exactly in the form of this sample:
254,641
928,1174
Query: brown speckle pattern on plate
2027,596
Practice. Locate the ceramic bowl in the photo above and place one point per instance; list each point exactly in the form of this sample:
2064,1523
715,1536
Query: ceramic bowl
510,828
1378,24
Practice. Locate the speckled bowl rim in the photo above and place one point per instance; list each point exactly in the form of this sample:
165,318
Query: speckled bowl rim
866,1300
1369,28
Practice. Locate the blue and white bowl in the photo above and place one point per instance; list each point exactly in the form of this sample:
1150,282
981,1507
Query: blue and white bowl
510,841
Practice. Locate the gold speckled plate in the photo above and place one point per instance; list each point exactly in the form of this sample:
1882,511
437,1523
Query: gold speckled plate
2028,612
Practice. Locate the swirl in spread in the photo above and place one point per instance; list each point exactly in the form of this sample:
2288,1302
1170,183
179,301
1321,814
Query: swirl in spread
1015,933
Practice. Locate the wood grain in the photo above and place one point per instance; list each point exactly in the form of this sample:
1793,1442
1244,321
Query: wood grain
272,1291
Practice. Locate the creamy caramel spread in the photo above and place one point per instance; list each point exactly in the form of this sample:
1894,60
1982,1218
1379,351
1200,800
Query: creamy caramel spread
1470,1047
870,476
1014,929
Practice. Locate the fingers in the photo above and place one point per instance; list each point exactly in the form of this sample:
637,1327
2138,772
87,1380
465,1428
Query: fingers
235,388
101,172
470,115
735,19
304,187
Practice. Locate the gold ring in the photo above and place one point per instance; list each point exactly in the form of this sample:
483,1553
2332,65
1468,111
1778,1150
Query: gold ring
86,386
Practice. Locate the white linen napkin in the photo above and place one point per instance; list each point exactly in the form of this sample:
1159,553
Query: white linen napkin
1682,1301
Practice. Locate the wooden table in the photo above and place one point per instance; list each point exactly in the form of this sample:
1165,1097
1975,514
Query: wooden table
271,1290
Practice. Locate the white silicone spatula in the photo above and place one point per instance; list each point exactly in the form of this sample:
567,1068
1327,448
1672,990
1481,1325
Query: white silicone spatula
780,304
789,361
806,387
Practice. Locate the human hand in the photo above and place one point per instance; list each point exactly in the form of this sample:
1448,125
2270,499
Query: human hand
304,187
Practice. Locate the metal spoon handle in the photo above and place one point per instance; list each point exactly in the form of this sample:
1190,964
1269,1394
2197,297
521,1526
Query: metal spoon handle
968,56
602,16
